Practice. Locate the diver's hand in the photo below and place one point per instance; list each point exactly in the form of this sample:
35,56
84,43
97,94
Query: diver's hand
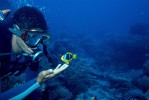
19,45
44,75
6,11
23,46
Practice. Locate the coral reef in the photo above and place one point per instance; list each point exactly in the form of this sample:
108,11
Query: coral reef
98,74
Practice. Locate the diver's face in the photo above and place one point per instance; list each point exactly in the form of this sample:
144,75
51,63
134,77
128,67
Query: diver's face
18,45
34,38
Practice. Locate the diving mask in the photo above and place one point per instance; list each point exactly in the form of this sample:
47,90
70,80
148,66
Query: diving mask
32,39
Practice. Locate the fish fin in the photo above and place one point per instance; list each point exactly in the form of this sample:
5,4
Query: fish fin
67,62
62,58
69,53
93,98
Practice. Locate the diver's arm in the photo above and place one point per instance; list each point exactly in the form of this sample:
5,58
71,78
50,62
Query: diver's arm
24,90
44,75
20,92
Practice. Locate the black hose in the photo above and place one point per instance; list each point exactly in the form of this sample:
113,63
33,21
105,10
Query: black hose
8,54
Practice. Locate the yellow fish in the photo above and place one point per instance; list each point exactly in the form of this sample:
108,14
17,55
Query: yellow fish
93,98
68,57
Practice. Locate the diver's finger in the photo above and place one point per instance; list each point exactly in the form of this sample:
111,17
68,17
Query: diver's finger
49,76
58,66
6,11
60,69
64,67
23,46
57,71
47,72
27,50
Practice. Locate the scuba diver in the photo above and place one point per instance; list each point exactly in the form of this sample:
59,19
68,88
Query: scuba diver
22,48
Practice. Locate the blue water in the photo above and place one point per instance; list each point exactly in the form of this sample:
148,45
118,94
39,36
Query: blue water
92,17
88,17
105,35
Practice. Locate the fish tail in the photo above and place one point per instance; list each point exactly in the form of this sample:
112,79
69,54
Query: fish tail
93,98
75,56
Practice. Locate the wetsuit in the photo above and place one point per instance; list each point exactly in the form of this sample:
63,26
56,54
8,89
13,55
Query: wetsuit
20,92
5,45
24,90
